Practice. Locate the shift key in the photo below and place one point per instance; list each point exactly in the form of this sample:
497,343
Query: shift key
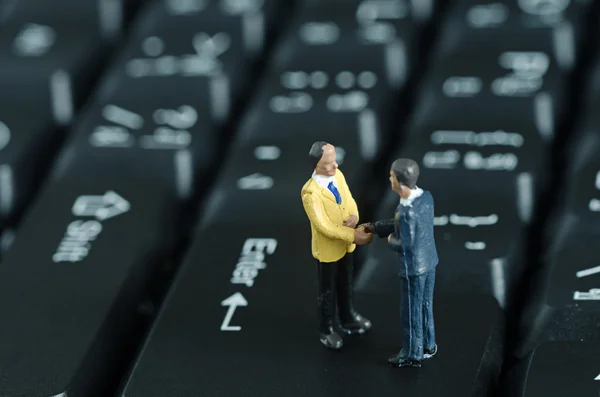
73,286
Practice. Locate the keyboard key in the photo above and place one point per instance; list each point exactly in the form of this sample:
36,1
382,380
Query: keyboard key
523,82
190,50
249,302
102,17
266,176
561,299
582,190
563,368
47,66
27,143
356,118
479,244
368,11
557,29
72,304
323,36
166,140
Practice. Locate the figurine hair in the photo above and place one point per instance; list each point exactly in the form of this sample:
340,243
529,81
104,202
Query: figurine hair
316,152
407,172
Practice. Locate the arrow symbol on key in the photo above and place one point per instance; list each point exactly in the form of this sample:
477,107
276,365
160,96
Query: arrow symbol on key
102,207
233,302
597,377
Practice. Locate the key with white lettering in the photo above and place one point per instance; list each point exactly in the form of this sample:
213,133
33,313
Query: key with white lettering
351,108
479,245
266,175
327,33
47,66
27,143
556,27
505,165
254,299
74,283
524,82
104,18
192,49
167,140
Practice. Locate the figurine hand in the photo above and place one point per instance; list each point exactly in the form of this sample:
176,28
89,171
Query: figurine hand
361,237
369,227
351,221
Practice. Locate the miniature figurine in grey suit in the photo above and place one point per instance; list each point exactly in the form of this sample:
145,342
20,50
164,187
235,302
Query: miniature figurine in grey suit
410,234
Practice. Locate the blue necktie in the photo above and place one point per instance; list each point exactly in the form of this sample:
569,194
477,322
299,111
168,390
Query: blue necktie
333,189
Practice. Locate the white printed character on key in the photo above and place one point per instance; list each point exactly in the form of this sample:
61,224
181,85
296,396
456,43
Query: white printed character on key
119,134
172,132
204,61
34,40
528,69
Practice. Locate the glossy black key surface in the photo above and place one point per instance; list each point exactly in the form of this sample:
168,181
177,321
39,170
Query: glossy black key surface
563,369
479,245
554,27
480,153
355,116
167,140
582,179
27,143
266,177
83,262
574,274
329,39
196,49
103,17
523,82
47,66
249,308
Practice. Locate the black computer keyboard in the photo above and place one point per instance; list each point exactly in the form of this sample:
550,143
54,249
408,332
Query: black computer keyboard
151,159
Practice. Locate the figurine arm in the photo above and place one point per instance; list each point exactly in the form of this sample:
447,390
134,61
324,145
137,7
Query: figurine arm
319,219
384,228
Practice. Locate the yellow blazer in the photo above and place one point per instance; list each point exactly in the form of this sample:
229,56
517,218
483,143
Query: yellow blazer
330,240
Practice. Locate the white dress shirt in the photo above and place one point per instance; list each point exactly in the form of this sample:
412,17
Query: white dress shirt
414,193
324,181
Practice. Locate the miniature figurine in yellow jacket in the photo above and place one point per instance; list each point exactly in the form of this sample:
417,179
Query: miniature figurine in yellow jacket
333,215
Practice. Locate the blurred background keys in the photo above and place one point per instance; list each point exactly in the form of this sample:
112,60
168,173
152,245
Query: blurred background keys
563,368
73,300
47,67
104,18
556,27
334,38
164,140
582,190
189,49
27,144
266,177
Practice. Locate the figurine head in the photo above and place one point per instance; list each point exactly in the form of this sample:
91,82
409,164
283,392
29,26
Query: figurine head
322,155
404,174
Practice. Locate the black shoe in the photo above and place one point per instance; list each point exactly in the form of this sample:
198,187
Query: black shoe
331,340
398,361
429,353
358,326
352,323
326,304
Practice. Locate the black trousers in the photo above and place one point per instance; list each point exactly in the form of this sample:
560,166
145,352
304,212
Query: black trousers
335,292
